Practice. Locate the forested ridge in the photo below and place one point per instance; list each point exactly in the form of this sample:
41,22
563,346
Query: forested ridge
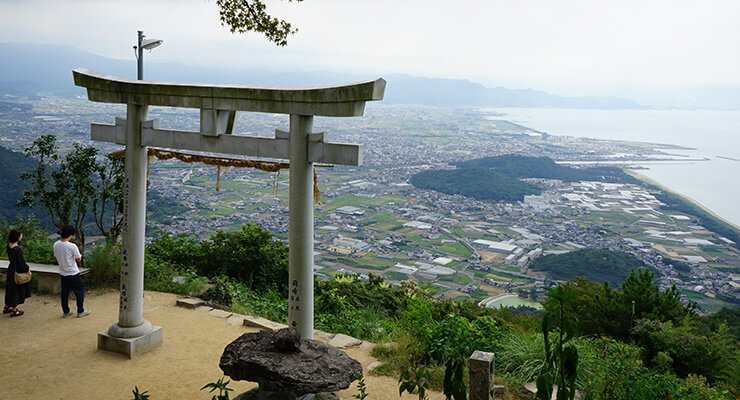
476,182
498,178
517,166
594,264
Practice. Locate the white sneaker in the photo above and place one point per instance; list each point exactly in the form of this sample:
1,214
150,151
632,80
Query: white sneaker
68,314
83,314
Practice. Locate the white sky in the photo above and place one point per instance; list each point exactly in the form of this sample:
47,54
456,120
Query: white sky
569,47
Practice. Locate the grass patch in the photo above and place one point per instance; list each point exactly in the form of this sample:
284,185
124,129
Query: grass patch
706,303
456,249
396,276
383,218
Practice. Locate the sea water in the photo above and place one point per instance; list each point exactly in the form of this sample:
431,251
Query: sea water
710,133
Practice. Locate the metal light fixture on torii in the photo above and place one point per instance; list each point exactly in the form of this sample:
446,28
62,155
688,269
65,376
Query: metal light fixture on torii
218,104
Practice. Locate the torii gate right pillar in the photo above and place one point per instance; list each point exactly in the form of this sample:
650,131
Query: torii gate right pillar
301,227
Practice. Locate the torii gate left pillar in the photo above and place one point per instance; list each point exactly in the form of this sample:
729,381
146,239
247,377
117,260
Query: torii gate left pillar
132,335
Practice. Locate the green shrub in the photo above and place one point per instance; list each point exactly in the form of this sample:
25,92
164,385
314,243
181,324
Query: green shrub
179,250
727,316
695,387
606,366
105,265
364,323
418,320
242,300
375,294
646,385
271,304
521,354
222,292
560,371
249,256
158,277
36,247
602,310
681,349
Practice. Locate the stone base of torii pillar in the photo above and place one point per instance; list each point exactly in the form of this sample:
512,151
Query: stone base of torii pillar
131,347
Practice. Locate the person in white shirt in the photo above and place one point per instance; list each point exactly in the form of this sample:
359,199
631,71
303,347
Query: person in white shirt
67,254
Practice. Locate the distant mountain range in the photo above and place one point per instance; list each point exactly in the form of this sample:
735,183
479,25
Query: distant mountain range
30,69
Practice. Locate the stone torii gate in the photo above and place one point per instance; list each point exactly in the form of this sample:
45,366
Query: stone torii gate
218,104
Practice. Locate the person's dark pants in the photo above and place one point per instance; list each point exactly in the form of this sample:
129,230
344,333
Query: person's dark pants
73,283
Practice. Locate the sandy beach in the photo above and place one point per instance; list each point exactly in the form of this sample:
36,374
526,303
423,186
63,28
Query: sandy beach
687,198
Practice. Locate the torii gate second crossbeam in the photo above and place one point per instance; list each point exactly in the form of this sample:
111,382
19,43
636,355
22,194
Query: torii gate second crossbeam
218,104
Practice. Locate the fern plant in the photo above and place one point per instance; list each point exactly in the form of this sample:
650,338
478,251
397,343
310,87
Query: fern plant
362,387
140,395
222,387
415,379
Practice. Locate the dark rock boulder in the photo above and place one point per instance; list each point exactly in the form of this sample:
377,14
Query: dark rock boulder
273,360
259,394
288,340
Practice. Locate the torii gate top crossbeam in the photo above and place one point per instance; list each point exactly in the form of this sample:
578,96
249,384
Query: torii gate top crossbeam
330,101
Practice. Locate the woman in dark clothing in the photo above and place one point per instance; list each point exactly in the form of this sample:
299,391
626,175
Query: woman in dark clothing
15,294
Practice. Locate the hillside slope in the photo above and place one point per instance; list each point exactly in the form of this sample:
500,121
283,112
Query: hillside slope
12,165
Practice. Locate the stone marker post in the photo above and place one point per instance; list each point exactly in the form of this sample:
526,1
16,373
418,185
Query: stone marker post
480,367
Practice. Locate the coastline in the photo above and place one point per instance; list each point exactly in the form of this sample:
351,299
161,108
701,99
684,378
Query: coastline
652,181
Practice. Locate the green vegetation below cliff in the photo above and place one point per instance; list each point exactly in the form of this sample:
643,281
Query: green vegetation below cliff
594,264
634,342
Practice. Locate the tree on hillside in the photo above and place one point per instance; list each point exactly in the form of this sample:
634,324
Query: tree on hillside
606,311
680,348
78,168
649,302
242,16
109,199
66,186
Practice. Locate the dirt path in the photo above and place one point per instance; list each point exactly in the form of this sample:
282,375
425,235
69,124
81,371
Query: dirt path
44,356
